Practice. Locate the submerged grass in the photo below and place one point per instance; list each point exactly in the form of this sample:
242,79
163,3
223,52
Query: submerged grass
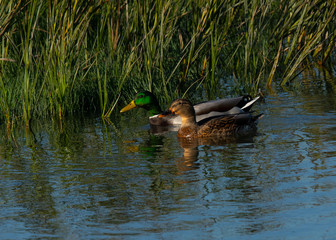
65,57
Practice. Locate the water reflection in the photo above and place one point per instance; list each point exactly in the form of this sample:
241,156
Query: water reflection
160,130
191,145
123,179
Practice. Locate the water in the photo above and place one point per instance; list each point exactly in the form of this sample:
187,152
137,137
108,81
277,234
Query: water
117,180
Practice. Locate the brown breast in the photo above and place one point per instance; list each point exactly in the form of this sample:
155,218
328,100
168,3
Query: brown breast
190,131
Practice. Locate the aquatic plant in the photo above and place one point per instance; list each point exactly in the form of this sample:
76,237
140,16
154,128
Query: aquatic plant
66,57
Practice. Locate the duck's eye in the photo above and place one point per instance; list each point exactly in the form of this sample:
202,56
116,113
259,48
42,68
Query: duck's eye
140,96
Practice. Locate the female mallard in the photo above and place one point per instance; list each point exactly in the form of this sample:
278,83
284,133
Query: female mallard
240,124
148,101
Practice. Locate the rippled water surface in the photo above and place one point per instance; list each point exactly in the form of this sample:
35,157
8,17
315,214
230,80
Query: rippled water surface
117,180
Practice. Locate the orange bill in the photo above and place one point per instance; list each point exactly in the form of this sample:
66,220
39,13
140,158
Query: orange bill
165,114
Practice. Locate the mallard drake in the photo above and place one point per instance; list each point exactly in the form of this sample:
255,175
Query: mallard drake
148,101
240,124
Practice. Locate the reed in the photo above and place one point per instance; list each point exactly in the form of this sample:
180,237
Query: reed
62,58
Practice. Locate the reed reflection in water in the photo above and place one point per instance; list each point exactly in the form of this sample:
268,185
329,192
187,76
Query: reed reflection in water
122,180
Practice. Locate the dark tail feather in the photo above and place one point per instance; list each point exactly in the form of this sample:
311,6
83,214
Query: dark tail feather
257,117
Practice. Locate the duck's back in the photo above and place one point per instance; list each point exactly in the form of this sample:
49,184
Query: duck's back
241,124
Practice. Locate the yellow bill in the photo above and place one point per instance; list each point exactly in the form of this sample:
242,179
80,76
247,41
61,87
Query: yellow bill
128,107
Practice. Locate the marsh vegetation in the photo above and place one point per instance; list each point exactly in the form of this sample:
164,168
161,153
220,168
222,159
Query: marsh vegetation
60,58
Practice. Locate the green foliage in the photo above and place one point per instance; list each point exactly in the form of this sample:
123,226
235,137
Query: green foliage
64,57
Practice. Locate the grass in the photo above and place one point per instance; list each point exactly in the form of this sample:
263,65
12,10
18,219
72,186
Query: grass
60,58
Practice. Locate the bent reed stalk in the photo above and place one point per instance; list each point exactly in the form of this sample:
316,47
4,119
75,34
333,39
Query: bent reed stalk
65,57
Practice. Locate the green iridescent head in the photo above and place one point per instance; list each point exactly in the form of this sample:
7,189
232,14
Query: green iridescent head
146,100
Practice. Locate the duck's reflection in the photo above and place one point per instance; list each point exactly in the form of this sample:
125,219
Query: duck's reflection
158,130
190,156
189,161
191,151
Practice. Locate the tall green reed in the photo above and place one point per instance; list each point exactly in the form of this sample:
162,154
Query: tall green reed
65,57
31,61
9,11
313,29
67,26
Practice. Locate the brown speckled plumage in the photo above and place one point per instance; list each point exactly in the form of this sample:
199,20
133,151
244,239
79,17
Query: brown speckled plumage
238,125
208,109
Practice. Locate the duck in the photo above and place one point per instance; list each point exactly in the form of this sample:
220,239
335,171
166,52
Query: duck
240,124
228,106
